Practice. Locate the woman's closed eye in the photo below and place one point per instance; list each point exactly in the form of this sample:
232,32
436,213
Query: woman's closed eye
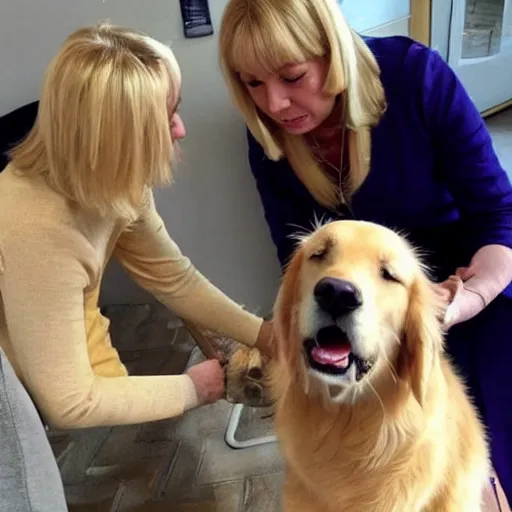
289,79
253,83
294,79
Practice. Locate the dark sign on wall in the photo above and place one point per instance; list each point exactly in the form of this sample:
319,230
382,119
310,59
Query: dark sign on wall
196,18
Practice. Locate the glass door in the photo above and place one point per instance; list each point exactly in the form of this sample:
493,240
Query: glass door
480,49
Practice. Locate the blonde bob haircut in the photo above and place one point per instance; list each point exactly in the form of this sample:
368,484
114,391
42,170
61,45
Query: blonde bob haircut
102,133
267,34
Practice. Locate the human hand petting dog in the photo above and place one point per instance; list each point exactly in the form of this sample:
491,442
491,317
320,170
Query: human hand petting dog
462,302
474,287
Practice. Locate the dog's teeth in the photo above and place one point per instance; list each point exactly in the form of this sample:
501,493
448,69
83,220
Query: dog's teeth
343,363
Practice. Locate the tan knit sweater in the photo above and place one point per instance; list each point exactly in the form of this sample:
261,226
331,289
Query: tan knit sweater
52,258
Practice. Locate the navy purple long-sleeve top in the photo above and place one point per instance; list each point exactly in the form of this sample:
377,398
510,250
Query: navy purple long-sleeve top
434,174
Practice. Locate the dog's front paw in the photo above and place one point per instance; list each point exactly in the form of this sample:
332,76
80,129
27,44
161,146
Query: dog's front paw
246,378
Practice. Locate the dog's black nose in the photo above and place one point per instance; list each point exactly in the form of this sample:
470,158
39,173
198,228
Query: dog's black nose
337,296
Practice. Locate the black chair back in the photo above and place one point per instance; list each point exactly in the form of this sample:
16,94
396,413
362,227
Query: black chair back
14,126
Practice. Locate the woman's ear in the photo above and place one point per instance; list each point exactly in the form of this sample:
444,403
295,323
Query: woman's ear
423,337
285,312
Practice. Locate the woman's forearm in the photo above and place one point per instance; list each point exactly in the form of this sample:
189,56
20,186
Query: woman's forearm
155,262
476,286
489,272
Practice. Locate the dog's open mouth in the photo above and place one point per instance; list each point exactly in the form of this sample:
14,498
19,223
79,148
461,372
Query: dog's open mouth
331,352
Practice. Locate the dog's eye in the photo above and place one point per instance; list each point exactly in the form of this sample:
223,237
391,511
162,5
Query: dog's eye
319,254
387,274
322,249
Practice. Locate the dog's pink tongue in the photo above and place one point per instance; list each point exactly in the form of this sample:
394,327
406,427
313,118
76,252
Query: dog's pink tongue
337,356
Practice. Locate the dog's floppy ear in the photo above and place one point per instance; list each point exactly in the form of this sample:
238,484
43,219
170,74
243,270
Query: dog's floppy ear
423,337
285,311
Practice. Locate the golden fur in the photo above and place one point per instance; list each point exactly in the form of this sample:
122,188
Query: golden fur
404,437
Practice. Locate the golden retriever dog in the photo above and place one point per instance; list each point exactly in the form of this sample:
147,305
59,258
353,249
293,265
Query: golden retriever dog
370,414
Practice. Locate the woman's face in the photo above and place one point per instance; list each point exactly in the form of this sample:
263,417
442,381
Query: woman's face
293,97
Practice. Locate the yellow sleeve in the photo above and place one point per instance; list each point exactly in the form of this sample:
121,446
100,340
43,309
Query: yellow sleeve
156,263
43,275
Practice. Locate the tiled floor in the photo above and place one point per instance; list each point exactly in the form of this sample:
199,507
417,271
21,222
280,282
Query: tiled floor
180,465
173,465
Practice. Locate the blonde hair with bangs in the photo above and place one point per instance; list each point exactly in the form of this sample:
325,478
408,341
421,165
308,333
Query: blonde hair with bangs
268,34
102,133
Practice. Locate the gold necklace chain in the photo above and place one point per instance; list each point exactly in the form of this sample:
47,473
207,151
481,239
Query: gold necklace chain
340,171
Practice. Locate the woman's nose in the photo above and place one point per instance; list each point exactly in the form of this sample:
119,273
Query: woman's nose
178,130
277,99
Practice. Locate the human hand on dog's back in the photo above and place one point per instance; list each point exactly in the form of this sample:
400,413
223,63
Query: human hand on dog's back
208,380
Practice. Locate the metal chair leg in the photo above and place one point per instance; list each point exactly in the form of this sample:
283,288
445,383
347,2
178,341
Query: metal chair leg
229,437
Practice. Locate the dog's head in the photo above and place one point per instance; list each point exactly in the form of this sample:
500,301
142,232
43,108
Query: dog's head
355,307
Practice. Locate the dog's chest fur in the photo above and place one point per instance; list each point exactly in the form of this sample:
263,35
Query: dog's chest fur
351,462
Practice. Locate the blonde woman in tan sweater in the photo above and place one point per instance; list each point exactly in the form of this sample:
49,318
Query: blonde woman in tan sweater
81,186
